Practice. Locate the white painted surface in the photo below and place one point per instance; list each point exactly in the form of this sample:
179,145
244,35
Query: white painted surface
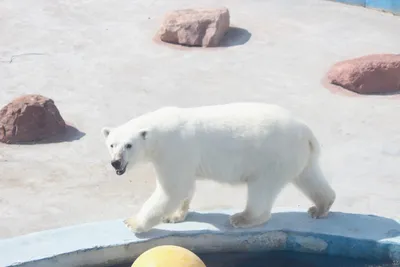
101,67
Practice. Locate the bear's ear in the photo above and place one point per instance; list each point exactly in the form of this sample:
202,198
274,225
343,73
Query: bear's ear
105,131
144,134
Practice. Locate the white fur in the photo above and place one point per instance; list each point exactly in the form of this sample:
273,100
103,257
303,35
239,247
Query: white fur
260,145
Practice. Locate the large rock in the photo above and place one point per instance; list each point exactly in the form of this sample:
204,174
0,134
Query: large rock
372,74
30,118
195,27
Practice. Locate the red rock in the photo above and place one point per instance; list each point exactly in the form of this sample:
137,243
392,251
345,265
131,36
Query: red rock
30,118
372,74
195,27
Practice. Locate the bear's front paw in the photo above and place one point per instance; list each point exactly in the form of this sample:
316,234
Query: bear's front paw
240,220
133,225
244,220
176,217
173,219
316,213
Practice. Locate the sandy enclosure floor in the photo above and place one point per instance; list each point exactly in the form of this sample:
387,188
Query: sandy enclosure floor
98,61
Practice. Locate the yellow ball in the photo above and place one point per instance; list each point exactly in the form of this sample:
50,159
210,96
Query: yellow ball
168,256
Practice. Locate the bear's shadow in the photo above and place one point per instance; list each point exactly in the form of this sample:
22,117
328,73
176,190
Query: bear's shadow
336,223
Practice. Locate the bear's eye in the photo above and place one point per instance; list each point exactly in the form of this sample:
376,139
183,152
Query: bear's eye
128,146
111,146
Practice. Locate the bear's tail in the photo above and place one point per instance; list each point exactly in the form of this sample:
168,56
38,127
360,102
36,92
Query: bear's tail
315,148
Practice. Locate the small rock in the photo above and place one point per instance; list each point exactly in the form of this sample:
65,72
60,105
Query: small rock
30,118
195,27
372,74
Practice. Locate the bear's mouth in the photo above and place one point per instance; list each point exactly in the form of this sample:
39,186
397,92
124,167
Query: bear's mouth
121,171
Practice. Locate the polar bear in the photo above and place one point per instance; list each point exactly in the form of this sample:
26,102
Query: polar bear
260,145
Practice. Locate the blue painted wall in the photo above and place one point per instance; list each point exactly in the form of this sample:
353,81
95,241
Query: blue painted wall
392,6
389,5
352,2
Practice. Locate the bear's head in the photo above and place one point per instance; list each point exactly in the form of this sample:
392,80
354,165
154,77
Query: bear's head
125,147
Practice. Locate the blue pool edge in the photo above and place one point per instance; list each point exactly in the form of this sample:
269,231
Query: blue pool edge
110,242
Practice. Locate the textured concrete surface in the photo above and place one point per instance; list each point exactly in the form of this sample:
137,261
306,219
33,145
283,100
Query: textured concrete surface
349,235
98,61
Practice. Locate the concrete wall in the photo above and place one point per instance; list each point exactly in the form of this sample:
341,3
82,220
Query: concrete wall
110,242
392,6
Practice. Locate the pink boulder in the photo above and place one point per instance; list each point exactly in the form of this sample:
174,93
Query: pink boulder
372,74
30,118
195,27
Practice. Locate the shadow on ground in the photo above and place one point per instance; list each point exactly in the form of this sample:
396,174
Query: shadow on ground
71,134
235,36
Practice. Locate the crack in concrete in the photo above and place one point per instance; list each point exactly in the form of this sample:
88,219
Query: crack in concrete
21,55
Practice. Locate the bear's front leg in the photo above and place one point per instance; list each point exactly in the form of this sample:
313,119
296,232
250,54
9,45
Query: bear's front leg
154,209
180,214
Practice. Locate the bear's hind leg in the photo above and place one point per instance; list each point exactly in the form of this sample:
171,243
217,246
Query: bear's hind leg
261,195
314,185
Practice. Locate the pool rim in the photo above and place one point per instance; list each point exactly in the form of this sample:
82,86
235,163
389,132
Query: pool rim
110,242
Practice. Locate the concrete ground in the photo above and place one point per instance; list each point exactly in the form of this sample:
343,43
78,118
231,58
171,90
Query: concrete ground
98,61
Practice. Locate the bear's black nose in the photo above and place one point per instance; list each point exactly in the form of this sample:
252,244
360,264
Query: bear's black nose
116,164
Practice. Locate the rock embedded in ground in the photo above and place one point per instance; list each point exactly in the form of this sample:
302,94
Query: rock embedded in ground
30,118
195,27
371,74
